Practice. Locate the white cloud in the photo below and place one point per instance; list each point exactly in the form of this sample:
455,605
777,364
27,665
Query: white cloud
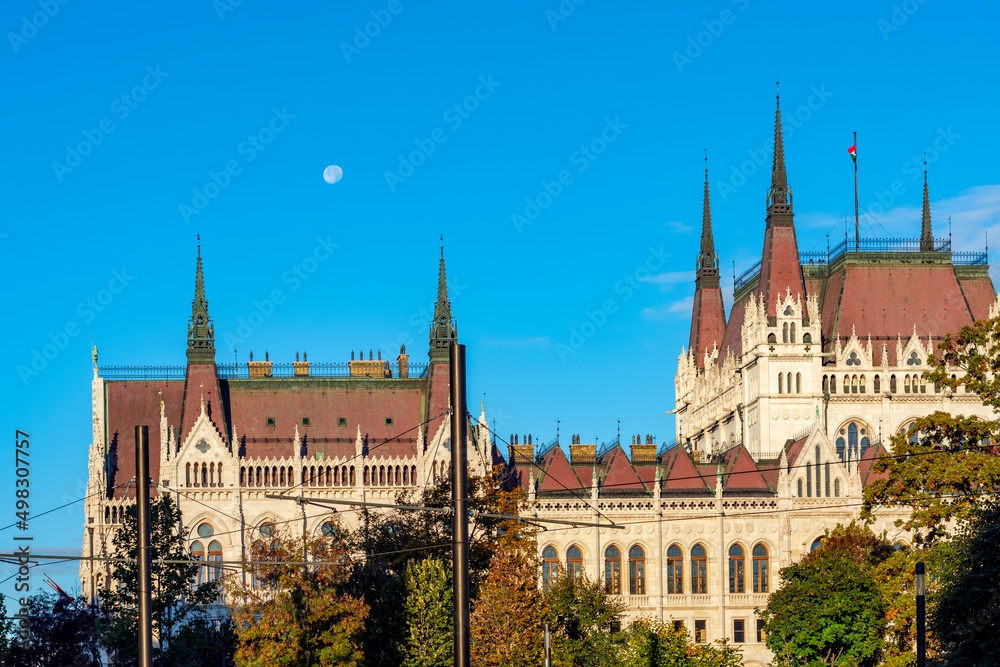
678,310
679,227
667,280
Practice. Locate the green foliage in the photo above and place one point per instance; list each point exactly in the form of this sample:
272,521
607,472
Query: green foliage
62,633
506,624
829,609
429,614
654,644
6,630
947,474
174,598
580,615
202,643
966,618
301,617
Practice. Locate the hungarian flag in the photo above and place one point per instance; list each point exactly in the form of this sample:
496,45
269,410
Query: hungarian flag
853,152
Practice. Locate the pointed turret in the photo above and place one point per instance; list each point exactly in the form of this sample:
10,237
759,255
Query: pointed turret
443,330
708,317
780,270
201,334
926,237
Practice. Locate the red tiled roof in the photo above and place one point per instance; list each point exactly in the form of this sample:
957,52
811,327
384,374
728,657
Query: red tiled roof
733,339
780,270
681,475
708,323
980,294
324,403
132,404
620,473
793,450
741,473
887,301
559,474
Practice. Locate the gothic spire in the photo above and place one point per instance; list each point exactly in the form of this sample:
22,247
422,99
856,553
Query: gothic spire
779,204
926,237
443,330
708,264
201,335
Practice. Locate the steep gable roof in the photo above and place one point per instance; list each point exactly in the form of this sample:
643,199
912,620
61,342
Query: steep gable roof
680,476
620,474
558,474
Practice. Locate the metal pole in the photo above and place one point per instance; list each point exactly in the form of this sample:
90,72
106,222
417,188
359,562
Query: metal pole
548,647
143,551
921,618
857,236
460,499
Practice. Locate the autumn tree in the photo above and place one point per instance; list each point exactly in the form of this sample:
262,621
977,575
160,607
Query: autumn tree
62,632
966,618
828,609
581,614
649,643
429,615
175,596
295,615
507,618
946,465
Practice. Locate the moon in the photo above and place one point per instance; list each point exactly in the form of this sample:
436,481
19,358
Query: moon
332,174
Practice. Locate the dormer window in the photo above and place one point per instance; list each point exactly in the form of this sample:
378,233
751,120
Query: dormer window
270,422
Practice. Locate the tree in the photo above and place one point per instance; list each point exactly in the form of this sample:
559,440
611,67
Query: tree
62,633
966,618
6,630
175,598
581,614
202,643
828,609
506,624
648,643
429,615
945,466
298,616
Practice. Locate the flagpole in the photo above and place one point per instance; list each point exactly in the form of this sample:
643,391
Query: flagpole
857,235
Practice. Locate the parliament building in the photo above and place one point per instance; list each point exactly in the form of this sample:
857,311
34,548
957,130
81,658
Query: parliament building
782,407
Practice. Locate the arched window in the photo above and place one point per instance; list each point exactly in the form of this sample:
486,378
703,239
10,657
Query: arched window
906,384
413,474
854,384
367,480
937,386
434,471
381,475
784,332
800,488
187,476
399,479
852,440
826,384
214,573
836,488
211,473
256,550
877,385
636,571
675,570
574,562
923,385
817,544
267,476
847,384
807,339
862,384
798,383
352,476
406,475
550,567
329,529
788,381
892,384
791,333
809,481
833,384
258,476
771,339
781,382
760,569
699,570
204,475
737,572
267,530
198,554
613,570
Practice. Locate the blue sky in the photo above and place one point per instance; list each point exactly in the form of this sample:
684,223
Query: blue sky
558,147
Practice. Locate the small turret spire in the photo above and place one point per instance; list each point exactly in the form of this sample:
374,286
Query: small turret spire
926,236
779,198
443,331
708,264
201,334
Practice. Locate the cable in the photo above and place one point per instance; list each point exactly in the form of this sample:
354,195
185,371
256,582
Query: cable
72,502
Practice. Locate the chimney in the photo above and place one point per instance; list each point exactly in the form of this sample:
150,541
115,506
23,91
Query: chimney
402,361
301,367
259,369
